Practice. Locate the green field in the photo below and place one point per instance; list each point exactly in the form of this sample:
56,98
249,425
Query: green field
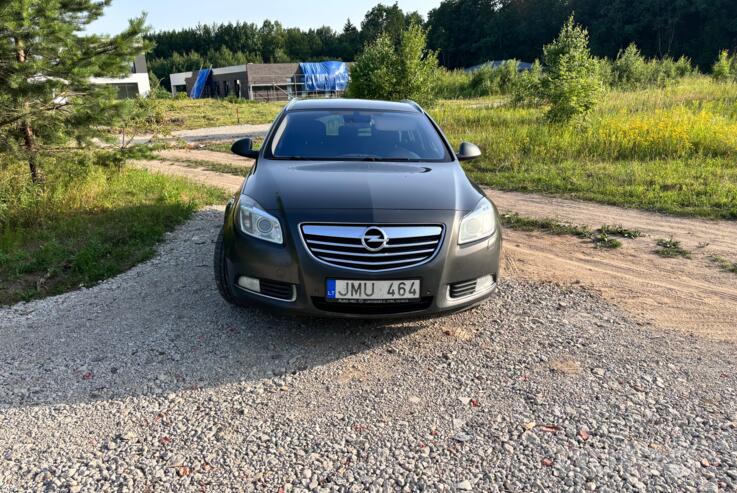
187,114
85,223
672,149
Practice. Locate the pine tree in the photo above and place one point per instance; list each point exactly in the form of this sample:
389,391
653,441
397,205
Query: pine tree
46,62
572,83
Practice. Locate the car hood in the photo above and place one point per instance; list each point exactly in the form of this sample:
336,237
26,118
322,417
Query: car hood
278,185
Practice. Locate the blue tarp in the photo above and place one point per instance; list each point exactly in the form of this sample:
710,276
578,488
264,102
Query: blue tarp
199,85
325,76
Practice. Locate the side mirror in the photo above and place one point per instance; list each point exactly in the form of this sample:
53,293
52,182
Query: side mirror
468,152
244,147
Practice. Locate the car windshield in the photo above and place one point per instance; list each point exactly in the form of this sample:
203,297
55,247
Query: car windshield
357,136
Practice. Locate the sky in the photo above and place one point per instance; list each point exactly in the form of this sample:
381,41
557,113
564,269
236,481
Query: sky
173,14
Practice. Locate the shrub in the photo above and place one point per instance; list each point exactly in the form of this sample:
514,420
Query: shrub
630,69
725,68
527,89
605,68
417,67
571,83
386,71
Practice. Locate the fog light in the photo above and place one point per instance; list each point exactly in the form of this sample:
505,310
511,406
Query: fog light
484,284
250,284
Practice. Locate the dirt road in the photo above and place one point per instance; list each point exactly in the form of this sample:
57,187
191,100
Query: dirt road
690,295
693,295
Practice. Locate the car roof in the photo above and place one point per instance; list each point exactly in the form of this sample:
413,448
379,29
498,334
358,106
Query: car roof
352,104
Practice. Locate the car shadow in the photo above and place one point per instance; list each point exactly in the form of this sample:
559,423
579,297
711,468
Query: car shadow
162,327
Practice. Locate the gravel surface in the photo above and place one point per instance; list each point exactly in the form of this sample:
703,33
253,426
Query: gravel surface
149,382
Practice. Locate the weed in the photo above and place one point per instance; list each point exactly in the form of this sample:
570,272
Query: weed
601,238
551,226
620,231
671,248
724,264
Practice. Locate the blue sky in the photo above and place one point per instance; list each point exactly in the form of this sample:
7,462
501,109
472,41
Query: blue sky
170,14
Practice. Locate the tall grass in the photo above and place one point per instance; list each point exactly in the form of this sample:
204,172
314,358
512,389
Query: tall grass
184,114
85,223
672,150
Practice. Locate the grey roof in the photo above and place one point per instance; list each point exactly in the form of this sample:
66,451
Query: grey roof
351,104
269,73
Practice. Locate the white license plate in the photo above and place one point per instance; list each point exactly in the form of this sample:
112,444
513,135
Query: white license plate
338,290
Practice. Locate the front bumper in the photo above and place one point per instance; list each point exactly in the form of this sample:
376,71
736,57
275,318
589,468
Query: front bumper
293,264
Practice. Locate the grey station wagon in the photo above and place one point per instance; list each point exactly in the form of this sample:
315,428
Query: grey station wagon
358,209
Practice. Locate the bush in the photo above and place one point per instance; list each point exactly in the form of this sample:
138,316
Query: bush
389,72
527,88
571,83
630,69
725,68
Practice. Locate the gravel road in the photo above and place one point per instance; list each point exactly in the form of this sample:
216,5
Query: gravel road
149,382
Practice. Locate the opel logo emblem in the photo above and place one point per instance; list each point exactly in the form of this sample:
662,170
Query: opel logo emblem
374,239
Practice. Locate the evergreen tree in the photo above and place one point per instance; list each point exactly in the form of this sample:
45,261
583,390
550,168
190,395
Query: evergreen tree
46,62
571,84
350,41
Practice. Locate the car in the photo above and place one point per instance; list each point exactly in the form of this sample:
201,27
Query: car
358,209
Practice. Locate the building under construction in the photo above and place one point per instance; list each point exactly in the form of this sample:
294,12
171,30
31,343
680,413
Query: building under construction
264,81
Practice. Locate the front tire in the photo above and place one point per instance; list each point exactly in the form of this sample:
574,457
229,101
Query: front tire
221,273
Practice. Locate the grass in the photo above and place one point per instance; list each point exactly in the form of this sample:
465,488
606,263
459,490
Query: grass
604,237
86,223
227,169
671,150
187,114
724,264
671,248
550,226
620,231
225,146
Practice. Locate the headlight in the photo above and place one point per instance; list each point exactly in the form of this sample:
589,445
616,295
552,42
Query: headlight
479,224
256,222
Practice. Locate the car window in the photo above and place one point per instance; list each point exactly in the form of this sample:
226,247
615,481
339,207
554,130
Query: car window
357,135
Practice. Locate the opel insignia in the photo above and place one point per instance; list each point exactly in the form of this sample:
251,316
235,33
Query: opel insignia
358,209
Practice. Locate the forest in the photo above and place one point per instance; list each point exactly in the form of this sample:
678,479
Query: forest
466,32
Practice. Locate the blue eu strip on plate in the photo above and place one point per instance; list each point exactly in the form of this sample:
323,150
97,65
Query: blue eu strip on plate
331,289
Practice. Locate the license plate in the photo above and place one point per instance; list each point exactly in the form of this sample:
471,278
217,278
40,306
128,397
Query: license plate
372,291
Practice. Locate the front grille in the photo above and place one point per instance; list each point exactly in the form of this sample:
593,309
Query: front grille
463,289
277,289
372,248
372,308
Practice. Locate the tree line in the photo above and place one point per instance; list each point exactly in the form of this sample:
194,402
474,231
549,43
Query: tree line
222,45
467,32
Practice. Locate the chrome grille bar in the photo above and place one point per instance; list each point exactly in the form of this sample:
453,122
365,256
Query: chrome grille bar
397,247
397,254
